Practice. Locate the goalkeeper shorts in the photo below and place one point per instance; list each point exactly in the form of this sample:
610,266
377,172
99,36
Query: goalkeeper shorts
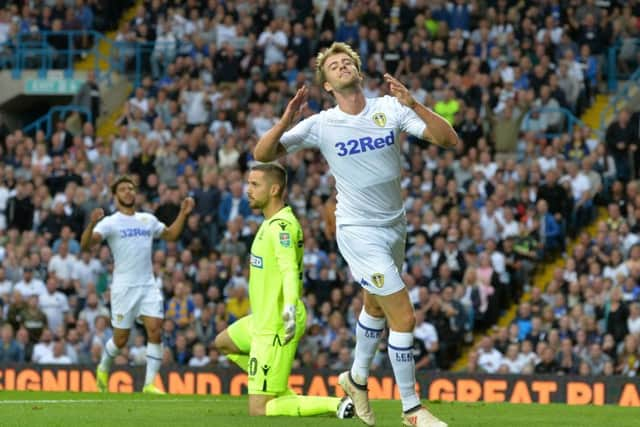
270,361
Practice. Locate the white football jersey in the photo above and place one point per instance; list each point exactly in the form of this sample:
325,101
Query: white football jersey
364,155
130,238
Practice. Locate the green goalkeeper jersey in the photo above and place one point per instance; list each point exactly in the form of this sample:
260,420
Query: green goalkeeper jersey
275,278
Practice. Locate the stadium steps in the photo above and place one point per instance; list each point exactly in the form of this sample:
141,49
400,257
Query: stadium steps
114,98
113,104
544,272
592,116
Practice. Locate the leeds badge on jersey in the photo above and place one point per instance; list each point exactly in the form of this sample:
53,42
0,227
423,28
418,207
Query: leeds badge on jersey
380,119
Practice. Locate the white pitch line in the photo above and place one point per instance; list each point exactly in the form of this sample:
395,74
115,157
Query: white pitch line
6,402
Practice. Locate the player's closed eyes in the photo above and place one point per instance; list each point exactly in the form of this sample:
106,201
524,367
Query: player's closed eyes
334,65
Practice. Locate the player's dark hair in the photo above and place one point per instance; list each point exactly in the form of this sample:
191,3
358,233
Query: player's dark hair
275,172
120,180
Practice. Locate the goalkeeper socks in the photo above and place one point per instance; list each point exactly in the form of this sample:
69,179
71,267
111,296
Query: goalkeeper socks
404,367
242,360
368,332
154,360
302,406
109,353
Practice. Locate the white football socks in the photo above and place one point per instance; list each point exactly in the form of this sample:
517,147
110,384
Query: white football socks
109,352
404,368
154,360
368,332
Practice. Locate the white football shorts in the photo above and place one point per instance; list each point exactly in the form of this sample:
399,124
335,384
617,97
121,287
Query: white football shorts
127,303
375,255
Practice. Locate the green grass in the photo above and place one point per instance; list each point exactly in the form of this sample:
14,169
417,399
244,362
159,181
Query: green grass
138,410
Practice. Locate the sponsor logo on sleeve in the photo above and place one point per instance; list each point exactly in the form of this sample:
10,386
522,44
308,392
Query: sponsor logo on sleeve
285,240
256,261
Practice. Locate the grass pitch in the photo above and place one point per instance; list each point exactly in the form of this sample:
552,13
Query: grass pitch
122,410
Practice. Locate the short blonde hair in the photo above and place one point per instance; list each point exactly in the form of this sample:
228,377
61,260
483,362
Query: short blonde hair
335,48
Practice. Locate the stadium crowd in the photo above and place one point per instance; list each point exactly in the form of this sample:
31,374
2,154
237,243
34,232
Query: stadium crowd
25,21
35,16
481,220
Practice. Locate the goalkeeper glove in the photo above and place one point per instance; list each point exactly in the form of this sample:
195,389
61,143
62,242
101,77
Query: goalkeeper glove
289,319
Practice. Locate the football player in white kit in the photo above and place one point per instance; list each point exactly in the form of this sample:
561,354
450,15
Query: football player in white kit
359,140
130,237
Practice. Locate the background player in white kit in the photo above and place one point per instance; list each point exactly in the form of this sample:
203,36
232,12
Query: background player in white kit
130,237
359,140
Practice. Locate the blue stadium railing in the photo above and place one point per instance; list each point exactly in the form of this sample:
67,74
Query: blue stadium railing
46,122
630,89
627,50
37,51
569,123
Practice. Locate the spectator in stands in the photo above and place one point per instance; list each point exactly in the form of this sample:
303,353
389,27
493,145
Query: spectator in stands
10,349
20,207
57,356
66,236
238,302
180,309
62,264
181,352
619,139
628,362
427,334
54,304
511,363
199,358
43,347
548,363
88,95
33,319
137,353
92,310
30,285
233,203
489,358
548,229
596,359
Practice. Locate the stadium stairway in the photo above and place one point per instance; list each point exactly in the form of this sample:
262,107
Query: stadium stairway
113,99
544,272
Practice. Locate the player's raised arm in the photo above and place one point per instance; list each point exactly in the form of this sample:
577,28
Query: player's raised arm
438,130
90,237
269,148
172,232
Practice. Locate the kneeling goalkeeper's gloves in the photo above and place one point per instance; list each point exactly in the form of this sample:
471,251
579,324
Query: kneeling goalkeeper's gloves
289,319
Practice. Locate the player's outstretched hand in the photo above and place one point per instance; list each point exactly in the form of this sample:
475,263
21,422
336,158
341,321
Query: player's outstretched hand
295,106
187,205
96,215
289,318
400,91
